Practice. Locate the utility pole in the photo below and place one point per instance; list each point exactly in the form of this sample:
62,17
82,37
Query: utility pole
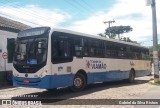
155,40
109,24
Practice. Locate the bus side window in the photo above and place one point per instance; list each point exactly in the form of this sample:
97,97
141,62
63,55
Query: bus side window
114,50
61,48
122,53
91,48
78,46
145,54
85,47
107,52
78,50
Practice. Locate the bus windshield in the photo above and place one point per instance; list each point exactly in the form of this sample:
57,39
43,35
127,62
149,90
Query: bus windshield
30,51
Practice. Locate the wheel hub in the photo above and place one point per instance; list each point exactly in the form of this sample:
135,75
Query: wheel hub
78,82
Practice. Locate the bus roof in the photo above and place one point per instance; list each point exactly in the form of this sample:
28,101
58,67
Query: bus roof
96,37
87,35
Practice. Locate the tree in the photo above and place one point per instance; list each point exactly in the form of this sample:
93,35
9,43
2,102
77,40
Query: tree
129,40
117,30
102,35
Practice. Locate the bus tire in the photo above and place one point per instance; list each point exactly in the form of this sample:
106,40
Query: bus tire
79,82
131,76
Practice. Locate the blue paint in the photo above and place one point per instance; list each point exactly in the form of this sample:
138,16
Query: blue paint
140,73
107,76
55,81
49,81
32,61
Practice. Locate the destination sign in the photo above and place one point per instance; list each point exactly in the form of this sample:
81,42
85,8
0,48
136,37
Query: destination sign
33,31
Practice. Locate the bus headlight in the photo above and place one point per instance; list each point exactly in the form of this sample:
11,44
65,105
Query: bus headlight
44,73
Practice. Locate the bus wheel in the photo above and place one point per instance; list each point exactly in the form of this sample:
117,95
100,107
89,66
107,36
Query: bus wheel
131,76
79,82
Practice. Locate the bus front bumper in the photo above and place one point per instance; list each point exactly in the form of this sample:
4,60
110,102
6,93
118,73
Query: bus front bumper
31,82
46,82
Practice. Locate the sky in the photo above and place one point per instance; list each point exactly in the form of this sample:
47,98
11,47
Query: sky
86,16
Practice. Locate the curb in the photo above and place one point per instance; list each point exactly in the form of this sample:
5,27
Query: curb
154,83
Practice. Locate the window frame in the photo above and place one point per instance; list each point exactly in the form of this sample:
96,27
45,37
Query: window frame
57,35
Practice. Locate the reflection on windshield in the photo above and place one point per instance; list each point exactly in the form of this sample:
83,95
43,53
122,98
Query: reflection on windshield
31,51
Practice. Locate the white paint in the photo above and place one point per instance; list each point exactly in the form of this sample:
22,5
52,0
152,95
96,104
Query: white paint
3,46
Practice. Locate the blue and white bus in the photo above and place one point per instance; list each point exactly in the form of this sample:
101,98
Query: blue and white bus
54,58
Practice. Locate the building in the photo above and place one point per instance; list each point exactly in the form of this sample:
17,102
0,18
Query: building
8,33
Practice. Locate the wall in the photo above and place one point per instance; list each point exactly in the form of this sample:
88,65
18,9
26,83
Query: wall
3,46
